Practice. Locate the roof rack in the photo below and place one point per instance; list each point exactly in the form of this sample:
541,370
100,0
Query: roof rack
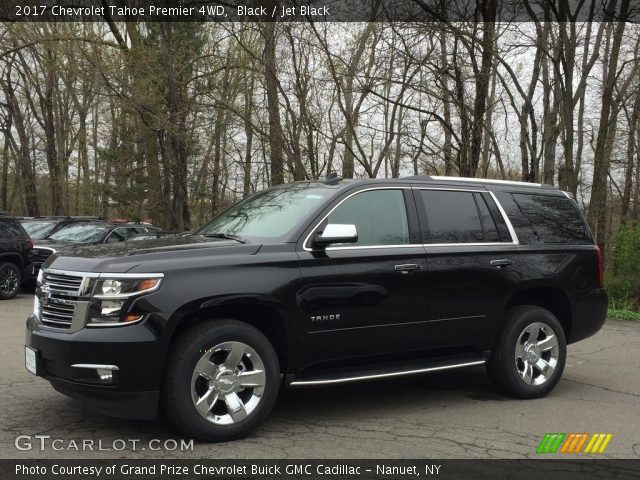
477,180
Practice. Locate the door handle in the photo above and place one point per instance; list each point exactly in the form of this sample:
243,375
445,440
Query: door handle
501,263
407,267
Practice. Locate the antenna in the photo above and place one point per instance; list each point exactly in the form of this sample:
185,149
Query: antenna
332,178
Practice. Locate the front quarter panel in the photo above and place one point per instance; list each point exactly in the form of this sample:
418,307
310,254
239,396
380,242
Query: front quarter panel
268,279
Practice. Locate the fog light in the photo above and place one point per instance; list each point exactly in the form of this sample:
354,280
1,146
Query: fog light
105,374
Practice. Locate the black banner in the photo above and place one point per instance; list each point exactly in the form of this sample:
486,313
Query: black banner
319,469
317,10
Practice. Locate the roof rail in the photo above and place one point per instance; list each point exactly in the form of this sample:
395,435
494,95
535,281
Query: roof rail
477,180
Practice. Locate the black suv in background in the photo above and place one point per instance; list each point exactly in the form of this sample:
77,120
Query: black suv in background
83,233
41,227
319,283
15,250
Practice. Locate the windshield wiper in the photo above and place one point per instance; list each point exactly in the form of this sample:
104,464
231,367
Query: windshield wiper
226,236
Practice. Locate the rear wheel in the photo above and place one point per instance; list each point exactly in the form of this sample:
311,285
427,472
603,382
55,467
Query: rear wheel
222,380
529,356
10,280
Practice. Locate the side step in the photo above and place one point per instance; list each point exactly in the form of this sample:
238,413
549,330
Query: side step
374,372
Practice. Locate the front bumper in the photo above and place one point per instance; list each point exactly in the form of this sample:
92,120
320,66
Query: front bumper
136,350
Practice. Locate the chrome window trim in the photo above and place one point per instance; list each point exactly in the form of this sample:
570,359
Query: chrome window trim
505,218
361,247
512,232
369,247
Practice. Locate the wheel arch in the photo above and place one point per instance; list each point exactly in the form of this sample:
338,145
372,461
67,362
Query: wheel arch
550,298
263,315
14,258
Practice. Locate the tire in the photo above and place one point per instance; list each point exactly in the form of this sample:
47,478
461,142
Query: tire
524,369
10,280
210,362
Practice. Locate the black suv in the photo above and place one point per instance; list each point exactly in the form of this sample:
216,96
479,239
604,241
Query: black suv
319,283
39,228
15,256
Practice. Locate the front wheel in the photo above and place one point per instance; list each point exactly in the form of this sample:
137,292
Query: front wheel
222,380
529,356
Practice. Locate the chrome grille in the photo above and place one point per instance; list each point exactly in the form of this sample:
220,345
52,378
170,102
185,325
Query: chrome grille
56,314
58,295
63,283
41,254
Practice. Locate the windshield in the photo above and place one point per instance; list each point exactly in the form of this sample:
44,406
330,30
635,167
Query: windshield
81,232
270,215
38,229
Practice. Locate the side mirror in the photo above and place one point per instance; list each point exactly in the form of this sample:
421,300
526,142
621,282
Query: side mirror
336,233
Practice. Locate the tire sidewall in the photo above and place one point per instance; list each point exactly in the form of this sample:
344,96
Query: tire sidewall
16,270
518,323
189,419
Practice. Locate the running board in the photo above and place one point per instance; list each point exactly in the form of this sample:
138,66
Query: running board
386,371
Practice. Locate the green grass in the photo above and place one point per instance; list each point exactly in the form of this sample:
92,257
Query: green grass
623,314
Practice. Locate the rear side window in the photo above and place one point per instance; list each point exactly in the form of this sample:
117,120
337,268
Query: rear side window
457,217
554,219
11,228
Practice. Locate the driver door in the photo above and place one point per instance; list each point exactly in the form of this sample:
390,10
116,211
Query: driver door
365,299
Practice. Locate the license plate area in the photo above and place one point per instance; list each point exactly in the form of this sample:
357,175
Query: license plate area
31,359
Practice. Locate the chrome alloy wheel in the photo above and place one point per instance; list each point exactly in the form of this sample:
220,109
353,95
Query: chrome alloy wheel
8,281
537,353
228,383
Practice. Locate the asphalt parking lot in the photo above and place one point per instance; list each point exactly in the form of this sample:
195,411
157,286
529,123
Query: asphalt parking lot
446,415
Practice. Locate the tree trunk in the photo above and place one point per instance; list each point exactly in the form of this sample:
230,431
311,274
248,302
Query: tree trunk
276,137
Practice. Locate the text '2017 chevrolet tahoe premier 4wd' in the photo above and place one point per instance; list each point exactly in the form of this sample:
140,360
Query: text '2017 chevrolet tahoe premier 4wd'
317,283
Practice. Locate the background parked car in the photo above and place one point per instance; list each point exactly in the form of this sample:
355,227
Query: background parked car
85,233
153,234
41,227
15,250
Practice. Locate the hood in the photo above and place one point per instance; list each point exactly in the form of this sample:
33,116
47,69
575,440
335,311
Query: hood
122,257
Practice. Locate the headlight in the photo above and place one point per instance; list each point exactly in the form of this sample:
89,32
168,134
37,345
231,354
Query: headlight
112,297
121,288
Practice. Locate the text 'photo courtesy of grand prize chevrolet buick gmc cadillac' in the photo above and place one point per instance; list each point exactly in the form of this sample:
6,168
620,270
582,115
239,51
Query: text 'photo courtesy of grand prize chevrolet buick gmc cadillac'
317,283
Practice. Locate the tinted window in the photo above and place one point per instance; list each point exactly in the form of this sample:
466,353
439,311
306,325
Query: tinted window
81,232
38,229
488,224
11,228
380,217
554,219
457,217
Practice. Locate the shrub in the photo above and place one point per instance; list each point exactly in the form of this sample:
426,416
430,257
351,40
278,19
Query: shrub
623,281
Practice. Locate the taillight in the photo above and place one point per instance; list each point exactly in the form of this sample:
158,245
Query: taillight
30,242
600,267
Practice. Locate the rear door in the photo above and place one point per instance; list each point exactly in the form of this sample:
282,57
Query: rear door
472,260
